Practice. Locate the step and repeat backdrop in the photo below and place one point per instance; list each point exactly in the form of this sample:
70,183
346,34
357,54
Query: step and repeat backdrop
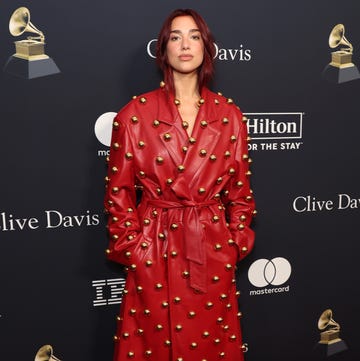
68,67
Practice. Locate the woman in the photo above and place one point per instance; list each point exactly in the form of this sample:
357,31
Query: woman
186,148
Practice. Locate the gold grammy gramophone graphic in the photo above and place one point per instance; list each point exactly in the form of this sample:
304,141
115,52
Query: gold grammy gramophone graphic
30,60
341,68
330,342
45,353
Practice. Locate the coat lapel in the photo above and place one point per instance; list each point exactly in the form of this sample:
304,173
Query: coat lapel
206,137
173,136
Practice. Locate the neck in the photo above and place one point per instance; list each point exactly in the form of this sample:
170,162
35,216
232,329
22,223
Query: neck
186,86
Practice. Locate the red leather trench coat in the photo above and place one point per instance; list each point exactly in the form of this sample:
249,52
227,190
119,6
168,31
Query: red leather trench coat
182,241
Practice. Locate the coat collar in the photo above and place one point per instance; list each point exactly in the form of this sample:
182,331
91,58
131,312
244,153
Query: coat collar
168,112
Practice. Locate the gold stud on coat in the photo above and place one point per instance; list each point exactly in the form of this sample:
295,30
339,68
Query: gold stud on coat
167,137
148,353
128,155
202,152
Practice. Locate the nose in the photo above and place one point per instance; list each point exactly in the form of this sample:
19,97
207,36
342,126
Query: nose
185,44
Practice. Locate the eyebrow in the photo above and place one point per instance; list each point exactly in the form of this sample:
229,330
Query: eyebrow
180,32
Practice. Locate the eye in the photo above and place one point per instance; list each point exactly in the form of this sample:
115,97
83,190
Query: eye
196,37
174,37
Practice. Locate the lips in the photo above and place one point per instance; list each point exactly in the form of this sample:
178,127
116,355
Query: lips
185,57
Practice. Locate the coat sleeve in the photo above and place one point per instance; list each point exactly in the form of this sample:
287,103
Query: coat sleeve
238,197
120,195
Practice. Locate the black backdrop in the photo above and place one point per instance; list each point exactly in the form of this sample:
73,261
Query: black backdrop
57,288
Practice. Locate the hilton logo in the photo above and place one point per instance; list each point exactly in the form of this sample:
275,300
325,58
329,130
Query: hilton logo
283,130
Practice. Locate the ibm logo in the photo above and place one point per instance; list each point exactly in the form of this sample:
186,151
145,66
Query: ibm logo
108,292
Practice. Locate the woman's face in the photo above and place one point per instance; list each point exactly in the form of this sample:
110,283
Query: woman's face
185,47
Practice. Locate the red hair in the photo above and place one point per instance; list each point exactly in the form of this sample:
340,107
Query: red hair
206,69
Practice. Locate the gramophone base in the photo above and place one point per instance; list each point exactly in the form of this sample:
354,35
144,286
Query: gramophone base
30,69
340,75
325,350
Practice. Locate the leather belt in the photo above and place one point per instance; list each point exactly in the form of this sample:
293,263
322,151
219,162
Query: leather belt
194,237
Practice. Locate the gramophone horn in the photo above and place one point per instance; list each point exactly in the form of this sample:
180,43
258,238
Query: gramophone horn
20,23
45,353
337,37
326,320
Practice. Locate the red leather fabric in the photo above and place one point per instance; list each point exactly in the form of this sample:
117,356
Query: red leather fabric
182,241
